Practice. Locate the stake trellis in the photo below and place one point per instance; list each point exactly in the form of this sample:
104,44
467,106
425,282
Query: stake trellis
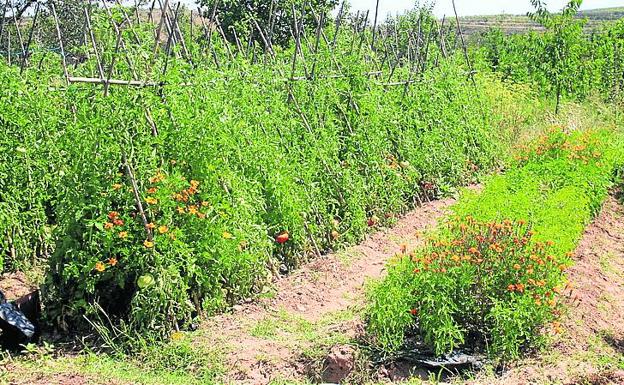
381,46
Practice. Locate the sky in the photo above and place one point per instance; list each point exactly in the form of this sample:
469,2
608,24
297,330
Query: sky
474,7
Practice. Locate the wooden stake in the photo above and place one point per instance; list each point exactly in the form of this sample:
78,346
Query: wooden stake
137,196
93,43
19,33
375,26
30,36
112,64
338,23
60,39
4,9
159,30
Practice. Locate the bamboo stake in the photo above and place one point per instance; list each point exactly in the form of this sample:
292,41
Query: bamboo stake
126,18
465,49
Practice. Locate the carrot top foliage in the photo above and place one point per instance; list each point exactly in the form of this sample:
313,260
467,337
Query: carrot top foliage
491,279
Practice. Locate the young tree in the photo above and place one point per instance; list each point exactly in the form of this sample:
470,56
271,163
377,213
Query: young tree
563,45
275,17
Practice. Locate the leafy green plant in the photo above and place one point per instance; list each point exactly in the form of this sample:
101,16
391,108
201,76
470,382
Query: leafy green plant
490,278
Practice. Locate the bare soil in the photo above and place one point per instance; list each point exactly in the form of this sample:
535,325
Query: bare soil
15,285
327,285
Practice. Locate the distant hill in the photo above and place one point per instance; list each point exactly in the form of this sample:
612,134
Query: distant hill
521,23
603,14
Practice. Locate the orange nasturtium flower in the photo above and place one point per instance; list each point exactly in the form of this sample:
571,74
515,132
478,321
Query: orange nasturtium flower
117,186
108,225
123,234
163,229
151,201
118,222
112,215
151,226
148,244
517,266
152,190
181,210
192,210
112,261
100,267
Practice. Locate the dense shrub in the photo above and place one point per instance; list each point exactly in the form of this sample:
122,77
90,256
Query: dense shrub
489,279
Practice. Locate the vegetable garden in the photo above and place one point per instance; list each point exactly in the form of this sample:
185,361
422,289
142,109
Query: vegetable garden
158,170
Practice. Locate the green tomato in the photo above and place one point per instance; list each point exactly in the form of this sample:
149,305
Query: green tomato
145,281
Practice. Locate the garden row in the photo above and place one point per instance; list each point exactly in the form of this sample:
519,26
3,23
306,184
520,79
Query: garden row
491,278
149,206
237,186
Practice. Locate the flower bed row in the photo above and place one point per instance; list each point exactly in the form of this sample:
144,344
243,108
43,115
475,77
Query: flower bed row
491,278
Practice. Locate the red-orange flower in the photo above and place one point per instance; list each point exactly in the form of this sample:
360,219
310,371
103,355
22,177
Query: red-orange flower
112,261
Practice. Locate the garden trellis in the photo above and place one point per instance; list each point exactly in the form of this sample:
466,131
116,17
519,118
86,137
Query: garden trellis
123,27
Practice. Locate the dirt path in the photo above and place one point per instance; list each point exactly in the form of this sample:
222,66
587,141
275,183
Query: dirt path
268,340
265,339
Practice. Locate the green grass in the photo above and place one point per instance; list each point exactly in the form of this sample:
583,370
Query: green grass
176,362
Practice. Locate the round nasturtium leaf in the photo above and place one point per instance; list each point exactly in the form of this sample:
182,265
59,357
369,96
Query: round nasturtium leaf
145,280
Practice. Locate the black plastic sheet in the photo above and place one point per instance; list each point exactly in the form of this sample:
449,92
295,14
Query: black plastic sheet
15,327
